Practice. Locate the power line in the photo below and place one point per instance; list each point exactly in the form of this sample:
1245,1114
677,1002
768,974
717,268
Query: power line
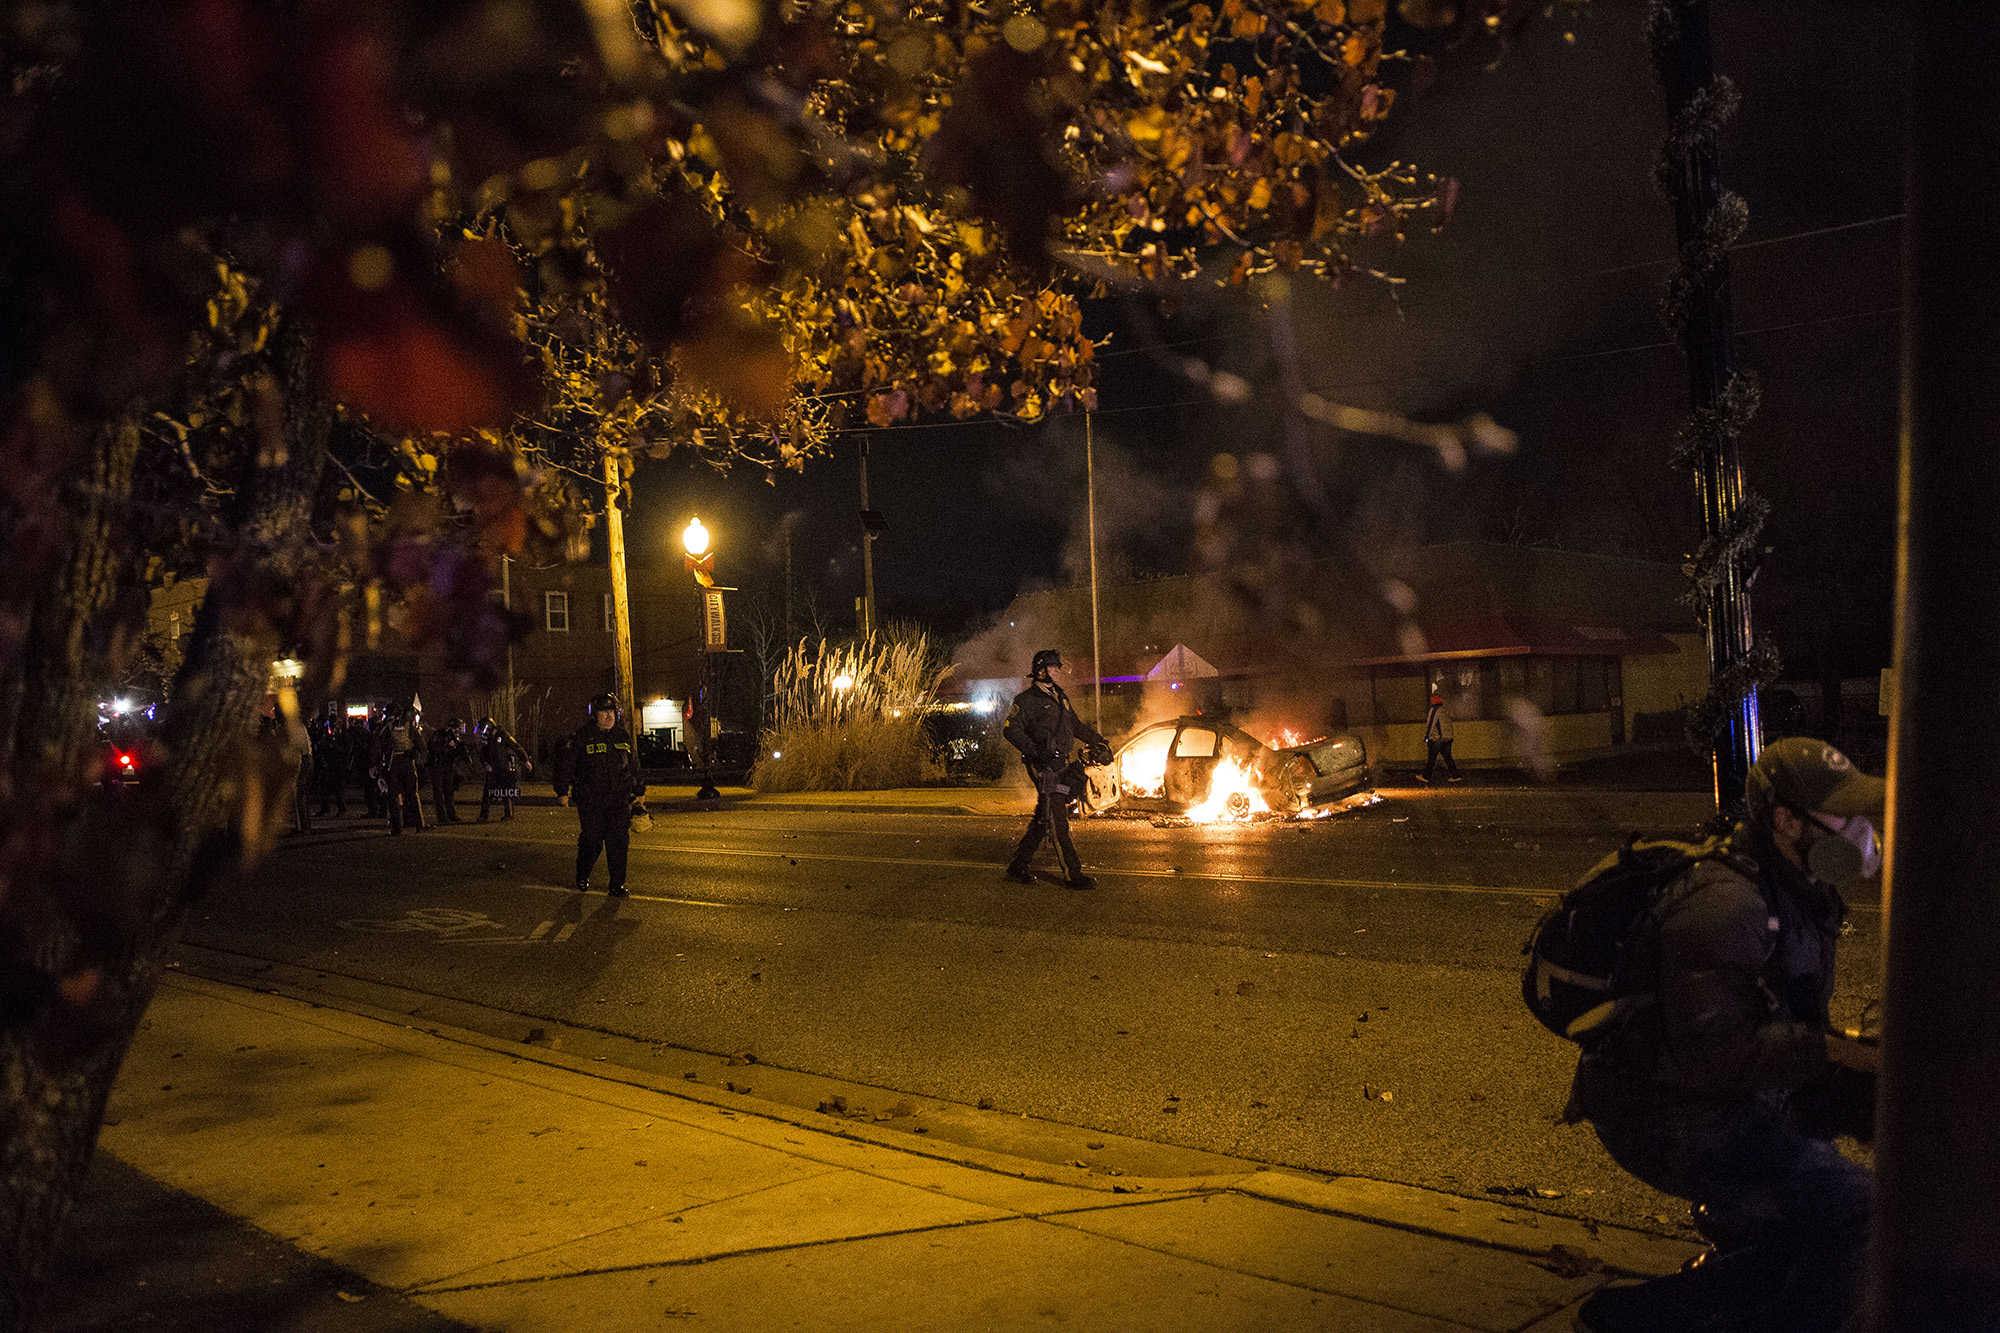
1747,245
1743,333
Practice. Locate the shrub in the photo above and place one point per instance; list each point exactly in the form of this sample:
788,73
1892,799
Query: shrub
850,718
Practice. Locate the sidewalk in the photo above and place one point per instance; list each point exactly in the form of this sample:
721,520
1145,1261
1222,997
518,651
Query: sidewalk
458,1180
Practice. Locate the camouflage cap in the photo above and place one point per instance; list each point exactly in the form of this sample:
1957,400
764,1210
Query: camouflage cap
1806,774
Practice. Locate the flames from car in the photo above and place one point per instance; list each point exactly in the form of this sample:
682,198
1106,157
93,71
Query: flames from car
1144,773
1287,739
1233,797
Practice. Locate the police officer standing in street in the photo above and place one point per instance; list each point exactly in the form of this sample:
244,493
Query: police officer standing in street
1044,728
1718,1077
600,768
399,756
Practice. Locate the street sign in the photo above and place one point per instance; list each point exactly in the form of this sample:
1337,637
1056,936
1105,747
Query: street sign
715,626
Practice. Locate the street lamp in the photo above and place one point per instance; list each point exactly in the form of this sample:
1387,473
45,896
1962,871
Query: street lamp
701,564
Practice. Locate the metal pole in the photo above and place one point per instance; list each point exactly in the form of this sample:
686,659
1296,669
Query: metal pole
621,605
507,603
867,552
1936,1261
708,791
1684,57
1090,503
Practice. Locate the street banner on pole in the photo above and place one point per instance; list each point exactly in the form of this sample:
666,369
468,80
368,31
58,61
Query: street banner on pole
716,628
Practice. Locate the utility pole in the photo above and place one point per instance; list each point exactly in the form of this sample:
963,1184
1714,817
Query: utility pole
1707,220
1090,504
1936,1260
507,603
621,604
867,551
791,634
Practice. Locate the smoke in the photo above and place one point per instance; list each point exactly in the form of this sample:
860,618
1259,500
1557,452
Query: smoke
781,534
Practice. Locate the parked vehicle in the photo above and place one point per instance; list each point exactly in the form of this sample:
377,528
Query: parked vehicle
1199,765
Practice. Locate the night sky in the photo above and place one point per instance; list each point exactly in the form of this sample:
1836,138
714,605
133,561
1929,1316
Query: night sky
1536,304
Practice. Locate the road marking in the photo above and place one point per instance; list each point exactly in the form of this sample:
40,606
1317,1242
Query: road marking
540,930
445,922
1510,891
569,929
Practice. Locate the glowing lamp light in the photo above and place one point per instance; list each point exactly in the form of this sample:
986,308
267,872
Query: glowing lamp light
843,681
121,706
695,539
777,754
982,706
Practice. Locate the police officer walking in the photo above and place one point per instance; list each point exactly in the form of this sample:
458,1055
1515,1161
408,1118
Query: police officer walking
600,768
1719,1079
1044,728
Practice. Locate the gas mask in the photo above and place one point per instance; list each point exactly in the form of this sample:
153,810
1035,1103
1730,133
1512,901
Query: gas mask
1844,857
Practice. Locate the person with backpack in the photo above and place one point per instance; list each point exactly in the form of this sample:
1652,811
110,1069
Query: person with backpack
1710,1069
1045,729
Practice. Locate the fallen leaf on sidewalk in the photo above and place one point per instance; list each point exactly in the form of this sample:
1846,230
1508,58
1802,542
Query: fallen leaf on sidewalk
1566,1261
350,1297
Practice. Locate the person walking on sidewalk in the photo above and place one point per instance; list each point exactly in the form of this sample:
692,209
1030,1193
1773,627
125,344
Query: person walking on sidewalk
1717,1076
398,755
1437,739
600,768
1044,728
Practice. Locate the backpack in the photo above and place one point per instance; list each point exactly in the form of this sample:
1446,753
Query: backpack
1574,949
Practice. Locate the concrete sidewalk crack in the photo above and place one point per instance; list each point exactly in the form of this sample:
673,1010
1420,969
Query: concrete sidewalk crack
1181,1257
698,1260
622,1226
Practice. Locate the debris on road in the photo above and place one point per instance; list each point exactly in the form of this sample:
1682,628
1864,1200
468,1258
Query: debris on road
1569,1263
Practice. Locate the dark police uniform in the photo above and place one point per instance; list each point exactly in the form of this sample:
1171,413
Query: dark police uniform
1700,1092
599,771
1044,728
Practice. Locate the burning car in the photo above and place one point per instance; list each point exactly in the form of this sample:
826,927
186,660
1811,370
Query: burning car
1212,772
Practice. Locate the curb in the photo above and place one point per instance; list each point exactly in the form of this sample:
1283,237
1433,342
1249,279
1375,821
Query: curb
1450,1217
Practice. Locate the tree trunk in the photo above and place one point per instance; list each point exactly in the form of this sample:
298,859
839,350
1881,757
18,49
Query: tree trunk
95,880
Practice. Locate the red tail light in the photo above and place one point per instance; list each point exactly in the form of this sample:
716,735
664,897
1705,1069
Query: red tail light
127,761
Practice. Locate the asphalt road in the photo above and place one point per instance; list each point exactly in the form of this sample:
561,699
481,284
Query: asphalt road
1239,990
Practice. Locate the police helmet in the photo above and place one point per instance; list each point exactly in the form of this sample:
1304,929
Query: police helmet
606,703
1044,660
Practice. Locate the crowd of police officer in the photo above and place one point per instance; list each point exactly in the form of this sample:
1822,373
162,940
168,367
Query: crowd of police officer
391,754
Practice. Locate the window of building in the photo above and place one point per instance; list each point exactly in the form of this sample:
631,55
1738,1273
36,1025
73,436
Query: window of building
174,626
555,612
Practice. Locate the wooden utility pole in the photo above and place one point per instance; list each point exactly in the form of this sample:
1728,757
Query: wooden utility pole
1090,504
507,603
867,551
621,602
1936,1263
